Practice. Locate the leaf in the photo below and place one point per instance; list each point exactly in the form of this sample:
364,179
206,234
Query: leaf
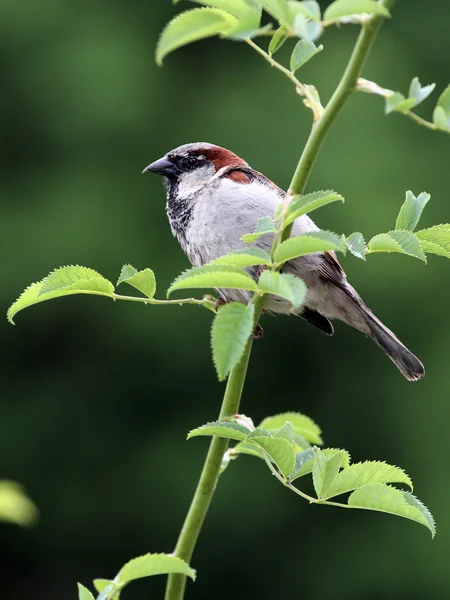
247,448
102,584
304,461
302,425
345,8
231,329
360,474
246,257
302,53
324,470
397,102
308,243
357,245
284,285
418,92
278,9
15,506
152,564
404,242
263,226
193,25
411,211
84,593
214,276
144,281
238,8
441,114
280,36
308,8
280,451
287,432
307,29
224,429
62,282
436,240
387,499
302,205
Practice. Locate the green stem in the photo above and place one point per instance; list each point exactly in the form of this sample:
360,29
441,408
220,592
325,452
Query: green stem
230,405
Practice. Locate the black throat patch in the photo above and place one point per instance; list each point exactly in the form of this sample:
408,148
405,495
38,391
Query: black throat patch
179,211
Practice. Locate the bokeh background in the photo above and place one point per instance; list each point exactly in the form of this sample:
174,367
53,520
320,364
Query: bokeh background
97,397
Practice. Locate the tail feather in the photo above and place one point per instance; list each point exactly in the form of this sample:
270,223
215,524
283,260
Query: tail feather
408,364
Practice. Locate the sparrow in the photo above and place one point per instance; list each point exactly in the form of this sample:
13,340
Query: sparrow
214,198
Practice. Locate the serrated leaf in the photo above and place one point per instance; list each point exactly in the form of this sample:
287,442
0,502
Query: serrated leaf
286,431
193,25
387,499
280,451
238,8
324,471
360,474
308,243
302,53
411,211
248,448
278,39
304,461
231,329
302,425
101,584
152,564
436,240
214,276
15,506
246,257
84,593
404,242
397,102
224,429
345,8
418,92
263,226
441,114
65,281
144,281
284,285
302,205
356,244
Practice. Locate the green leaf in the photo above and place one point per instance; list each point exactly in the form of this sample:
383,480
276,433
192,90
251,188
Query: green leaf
84,593
411,211
286,431
360,474
193,25
397,102
436,240
263,226
302,425
231,329
15,506
101,584
280,36
324,470
62,282
304,461
345,8
303,52
308,243
110,591
279,9
307,8
404,242
302,205
284,285
152,564
214,276
357,245
144,281
418,92
238,8
309,30
280,451
247,448
246,257
441,114
224,429
387,499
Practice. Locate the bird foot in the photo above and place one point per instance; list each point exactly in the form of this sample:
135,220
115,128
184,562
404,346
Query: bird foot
219,303
258,334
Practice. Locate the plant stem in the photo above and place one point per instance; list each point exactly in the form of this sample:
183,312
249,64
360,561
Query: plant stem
230,405
208,479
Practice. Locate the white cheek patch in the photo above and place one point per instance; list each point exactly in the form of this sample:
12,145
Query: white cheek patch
192,181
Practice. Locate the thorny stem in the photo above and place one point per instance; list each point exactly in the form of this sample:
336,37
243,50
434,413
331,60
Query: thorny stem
231,401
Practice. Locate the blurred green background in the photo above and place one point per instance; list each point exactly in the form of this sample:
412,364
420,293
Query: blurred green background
97,397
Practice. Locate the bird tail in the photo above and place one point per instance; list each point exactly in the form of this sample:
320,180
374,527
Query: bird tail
408,364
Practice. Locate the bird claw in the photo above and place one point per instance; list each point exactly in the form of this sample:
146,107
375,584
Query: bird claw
258,334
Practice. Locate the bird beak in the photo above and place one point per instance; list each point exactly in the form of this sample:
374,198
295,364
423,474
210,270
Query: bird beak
163,166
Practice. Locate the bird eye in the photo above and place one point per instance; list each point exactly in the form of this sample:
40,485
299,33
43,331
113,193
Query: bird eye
191,161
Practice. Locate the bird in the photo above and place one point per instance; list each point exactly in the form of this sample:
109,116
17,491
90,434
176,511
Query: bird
214,197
